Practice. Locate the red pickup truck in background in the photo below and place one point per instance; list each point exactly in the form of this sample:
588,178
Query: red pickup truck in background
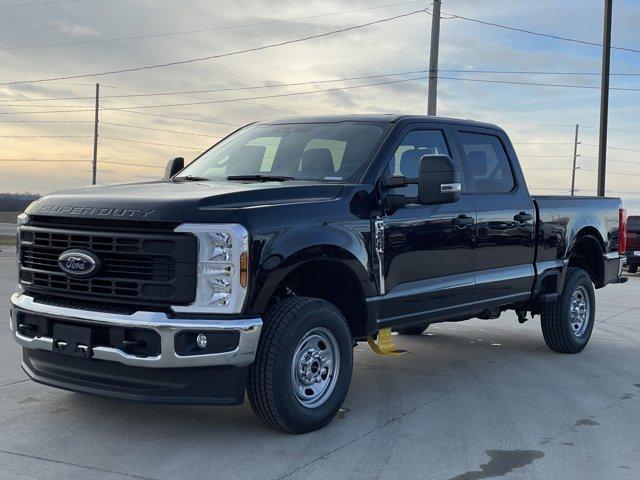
633,243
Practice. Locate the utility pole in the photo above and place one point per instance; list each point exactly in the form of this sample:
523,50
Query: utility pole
433,58
95,137
604,97
575,158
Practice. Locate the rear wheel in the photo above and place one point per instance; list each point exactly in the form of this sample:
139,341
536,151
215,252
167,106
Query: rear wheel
303,365
632,268
567,322
413,329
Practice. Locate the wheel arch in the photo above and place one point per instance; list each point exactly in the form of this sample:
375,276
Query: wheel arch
329,272
586,251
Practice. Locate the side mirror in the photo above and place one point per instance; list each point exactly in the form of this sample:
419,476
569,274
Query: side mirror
438,180
173,167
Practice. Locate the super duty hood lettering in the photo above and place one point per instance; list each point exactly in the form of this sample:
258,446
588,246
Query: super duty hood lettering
93,211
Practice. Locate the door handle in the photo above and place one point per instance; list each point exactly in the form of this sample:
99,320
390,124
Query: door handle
523,217
462,220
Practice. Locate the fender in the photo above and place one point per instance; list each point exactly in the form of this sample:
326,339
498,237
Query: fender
345,244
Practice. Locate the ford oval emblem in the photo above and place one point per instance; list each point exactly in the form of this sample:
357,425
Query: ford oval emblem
78,263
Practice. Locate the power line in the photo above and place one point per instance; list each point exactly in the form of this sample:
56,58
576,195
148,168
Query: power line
131,164
311,82
289,94
453,16
536,84
613,148
160,130
46,121
222,55
215,122
542,143
203,30
216,90
52,160
228,100
534,72
31,4
613,160
45,136
614,173
150,143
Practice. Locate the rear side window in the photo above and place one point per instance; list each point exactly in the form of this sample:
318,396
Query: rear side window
487,164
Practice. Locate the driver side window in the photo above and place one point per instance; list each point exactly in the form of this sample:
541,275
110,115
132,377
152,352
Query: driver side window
406,160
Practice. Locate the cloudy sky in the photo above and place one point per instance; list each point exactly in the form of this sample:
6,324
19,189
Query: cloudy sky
43,39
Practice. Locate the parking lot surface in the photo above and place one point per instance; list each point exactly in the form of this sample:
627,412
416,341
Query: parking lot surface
471,400
7,228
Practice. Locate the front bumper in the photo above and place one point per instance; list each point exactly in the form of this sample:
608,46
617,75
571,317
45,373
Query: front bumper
217,378
159,322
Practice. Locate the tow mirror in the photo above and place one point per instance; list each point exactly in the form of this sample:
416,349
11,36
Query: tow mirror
173,166
438,180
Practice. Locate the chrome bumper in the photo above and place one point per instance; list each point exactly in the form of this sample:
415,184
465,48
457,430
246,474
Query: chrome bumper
165,327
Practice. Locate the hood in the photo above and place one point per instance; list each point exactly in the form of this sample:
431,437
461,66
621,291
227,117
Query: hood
169,201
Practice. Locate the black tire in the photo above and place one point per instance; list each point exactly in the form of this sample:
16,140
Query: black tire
632,268
413,329
560,334
270,386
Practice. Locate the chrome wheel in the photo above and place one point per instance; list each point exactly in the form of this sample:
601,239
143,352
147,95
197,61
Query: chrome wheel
315,367
580,311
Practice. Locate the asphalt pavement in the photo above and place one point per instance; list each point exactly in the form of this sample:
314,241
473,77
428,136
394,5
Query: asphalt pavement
471,400
7,228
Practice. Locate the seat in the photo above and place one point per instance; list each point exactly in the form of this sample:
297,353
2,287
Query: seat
317,162
410,162
479,165
246,159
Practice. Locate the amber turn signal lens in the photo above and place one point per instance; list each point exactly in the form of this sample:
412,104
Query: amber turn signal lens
244,266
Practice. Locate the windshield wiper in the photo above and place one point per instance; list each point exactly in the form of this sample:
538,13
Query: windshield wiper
264,178
189,178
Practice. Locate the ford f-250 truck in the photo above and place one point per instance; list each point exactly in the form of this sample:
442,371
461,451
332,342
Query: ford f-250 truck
259,266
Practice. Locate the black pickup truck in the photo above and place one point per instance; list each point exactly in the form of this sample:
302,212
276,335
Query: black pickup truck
259,266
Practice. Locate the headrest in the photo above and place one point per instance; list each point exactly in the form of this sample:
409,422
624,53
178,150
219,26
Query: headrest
246,159
478,163
318,161
410,162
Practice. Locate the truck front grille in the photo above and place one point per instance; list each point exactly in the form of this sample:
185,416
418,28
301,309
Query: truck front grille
141,267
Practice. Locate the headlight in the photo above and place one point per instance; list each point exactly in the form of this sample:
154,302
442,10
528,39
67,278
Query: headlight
222,267
21,220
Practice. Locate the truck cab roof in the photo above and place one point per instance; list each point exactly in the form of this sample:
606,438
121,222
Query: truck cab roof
382,118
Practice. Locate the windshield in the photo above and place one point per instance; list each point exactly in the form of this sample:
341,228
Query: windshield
310,151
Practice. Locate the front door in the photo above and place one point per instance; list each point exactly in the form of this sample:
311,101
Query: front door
428,258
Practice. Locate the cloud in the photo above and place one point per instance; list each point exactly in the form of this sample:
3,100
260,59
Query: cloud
528,113
72,29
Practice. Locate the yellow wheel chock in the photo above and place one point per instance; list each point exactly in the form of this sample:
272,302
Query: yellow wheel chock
384,344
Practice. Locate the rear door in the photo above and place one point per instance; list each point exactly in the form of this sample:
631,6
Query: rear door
505,216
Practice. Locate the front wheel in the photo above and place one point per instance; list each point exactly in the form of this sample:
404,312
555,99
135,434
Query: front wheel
568,321
303,365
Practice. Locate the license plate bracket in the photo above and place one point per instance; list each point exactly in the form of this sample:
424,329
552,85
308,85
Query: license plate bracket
72,340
